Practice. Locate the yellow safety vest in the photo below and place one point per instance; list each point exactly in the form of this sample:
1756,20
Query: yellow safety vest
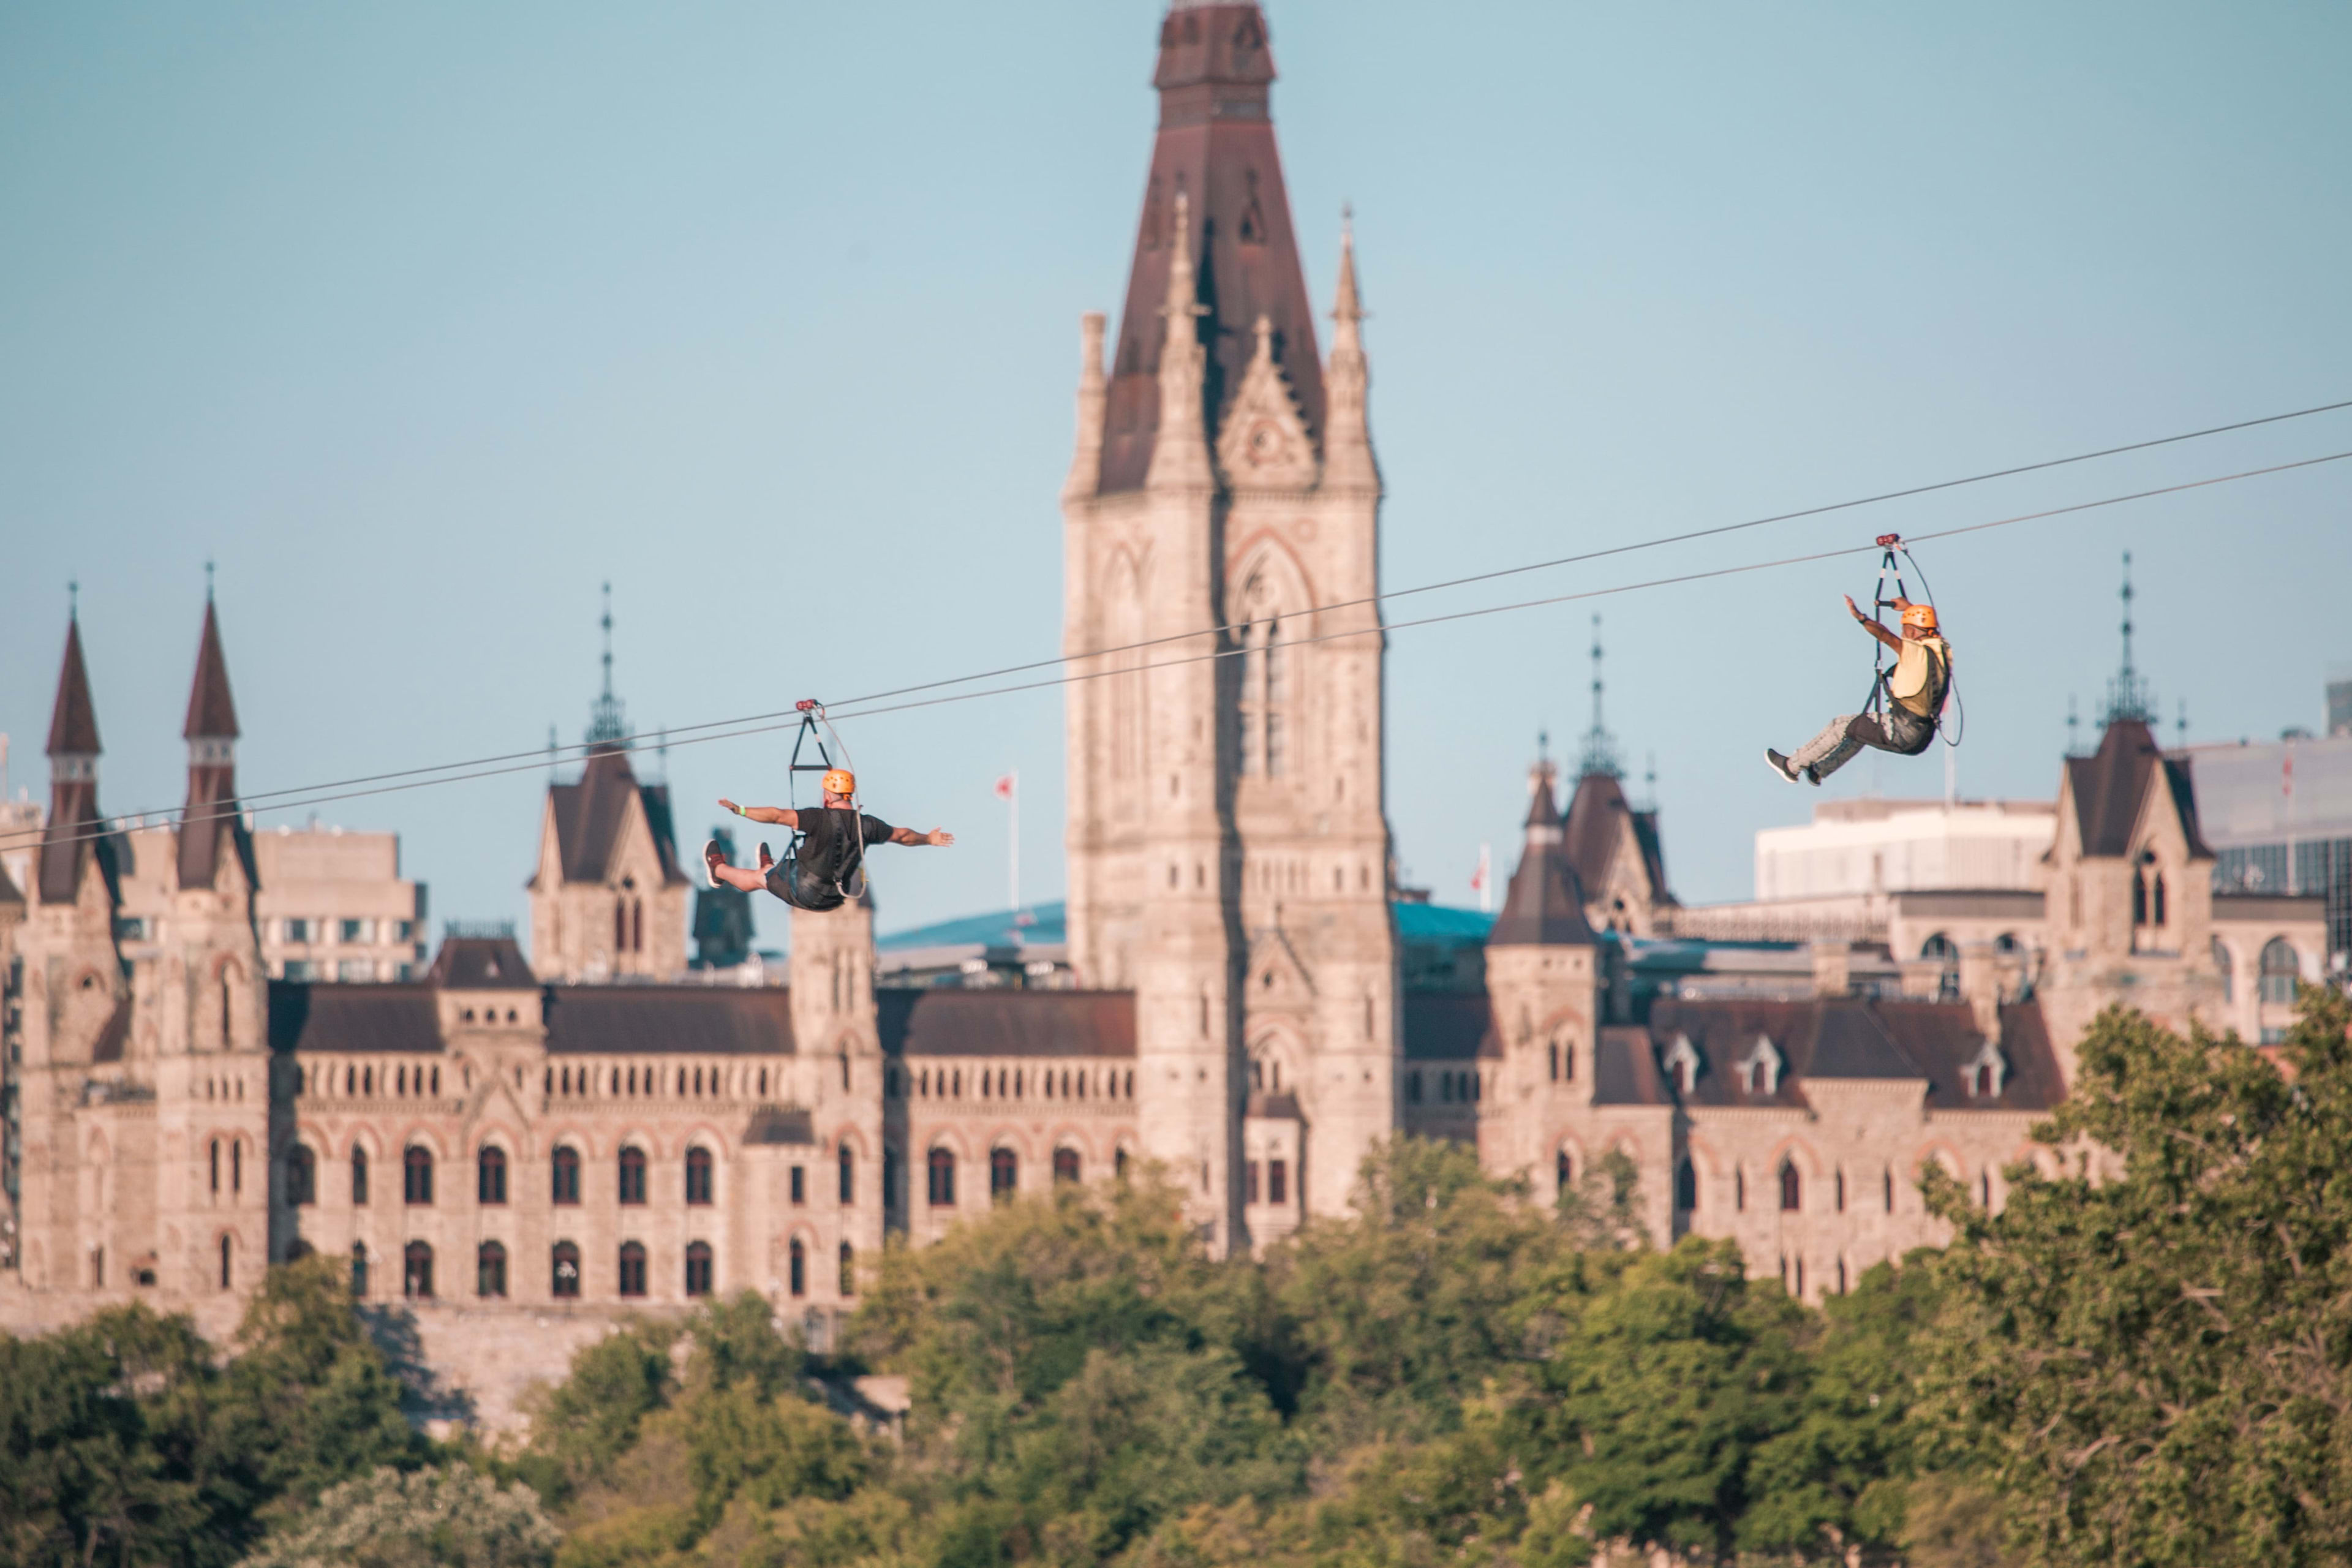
1920,675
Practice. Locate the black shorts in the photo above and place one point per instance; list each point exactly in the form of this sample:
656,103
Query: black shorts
804,888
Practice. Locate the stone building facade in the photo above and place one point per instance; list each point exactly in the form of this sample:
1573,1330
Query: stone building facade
519,1146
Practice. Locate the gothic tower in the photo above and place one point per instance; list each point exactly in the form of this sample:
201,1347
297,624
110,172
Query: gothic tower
1228,846
215,1151
76,1006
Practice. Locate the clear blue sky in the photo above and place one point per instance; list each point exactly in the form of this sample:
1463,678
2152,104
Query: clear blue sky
424,320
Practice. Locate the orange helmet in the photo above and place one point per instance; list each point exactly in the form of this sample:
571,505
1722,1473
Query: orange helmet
842,781
1920,615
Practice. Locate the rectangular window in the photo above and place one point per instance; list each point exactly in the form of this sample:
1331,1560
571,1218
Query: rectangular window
800,1187
1278,1182
1249,1182
300,969
297,930
358,931
403,930
1274,749
356,969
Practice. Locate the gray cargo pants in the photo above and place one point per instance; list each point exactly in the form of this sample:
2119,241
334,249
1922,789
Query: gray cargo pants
1903,732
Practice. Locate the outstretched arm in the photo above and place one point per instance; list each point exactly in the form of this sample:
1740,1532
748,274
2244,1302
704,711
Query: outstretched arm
940,837
778,816
1873,627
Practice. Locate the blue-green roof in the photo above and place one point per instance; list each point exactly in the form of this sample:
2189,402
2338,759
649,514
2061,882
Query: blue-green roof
1047,924
1032,924
1436,925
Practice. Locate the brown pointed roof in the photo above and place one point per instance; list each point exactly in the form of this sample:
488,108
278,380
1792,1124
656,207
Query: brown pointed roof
589,816
1216,145
73,722
1599,819
1545,906
480,964
2110,786
75,834
211,712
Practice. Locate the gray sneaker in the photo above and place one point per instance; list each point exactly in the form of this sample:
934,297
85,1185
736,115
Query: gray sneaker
1779,764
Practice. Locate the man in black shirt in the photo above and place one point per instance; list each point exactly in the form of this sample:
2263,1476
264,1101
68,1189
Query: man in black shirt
829,863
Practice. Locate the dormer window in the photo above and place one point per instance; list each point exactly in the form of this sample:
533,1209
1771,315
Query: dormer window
1984,1074
1683,1063
1760,1069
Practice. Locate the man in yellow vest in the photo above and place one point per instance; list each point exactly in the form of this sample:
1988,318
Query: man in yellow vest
1916,690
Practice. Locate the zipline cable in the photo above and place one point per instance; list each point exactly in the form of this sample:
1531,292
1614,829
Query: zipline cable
755,727
543,755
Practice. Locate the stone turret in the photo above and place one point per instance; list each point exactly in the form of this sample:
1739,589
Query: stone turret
1541,984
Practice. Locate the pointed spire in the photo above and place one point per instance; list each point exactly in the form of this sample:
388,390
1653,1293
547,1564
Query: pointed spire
606,725
1347,308
2128,697
1180,457
73,722
1349,463
212,711
1543,796
1599,746
1545,904
210,820
1215,144
1085,461
66,840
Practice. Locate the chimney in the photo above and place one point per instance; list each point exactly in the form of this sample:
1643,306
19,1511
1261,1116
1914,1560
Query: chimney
1981,987
1833,968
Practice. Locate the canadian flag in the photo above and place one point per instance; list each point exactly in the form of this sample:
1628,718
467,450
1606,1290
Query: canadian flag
1005,786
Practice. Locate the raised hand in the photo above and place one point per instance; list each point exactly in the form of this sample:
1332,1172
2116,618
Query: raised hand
939,837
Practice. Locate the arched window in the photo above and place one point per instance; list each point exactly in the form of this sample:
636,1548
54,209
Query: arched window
1886,1180
633,1268
1793,1191
2156,894
301,1176
697,1268
358,1268
799,1268
416,1271
1066,1164
2227,965
491,1174
633,1175
228,1263
416,1176
1119,1163
848,1270
1563,1172
565,1173
1004,1173
942,1178
636,925
620,927
216,1164
699,1183
848,1162
1685,1186
565,1260
2281,970
489,1269
2139,895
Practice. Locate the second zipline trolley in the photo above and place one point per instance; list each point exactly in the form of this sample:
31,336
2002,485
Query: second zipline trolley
1891,545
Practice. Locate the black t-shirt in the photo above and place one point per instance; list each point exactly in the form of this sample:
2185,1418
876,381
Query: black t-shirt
827,848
